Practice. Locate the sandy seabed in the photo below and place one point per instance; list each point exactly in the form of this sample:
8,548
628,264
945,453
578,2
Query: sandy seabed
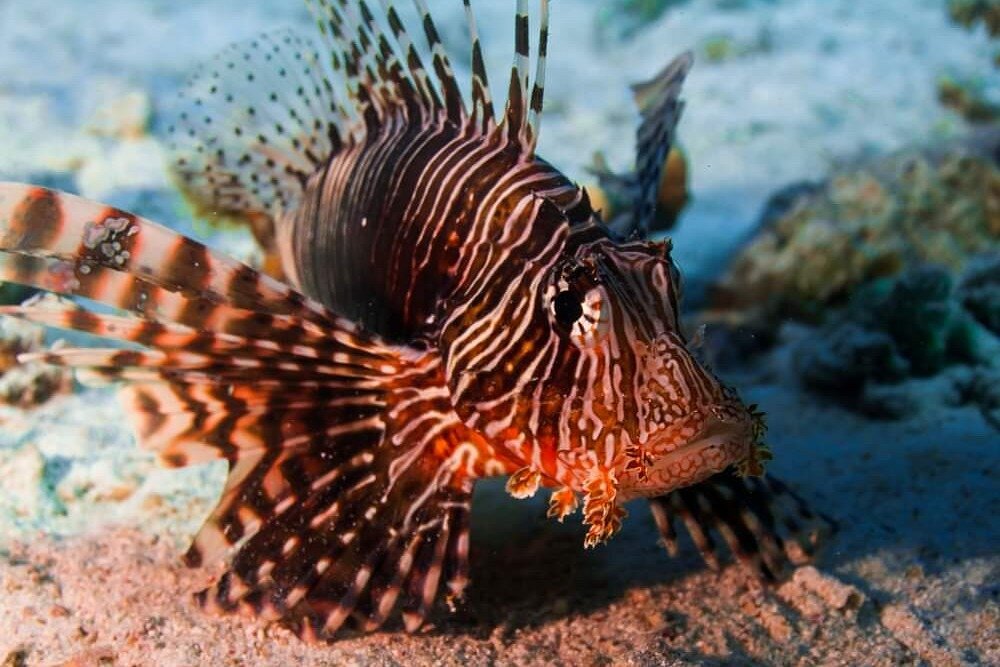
910,577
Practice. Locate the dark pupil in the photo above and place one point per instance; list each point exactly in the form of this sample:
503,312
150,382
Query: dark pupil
567,307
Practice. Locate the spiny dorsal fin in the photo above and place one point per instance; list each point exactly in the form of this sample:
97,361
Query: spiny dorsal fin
351,54
516,116
428,93
524,110
454,102
394,71
261,118
482,100
538,91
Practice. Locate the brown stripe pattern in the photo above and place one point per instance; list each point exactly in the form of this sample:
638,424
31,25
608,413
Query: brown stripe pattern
458,311
350,474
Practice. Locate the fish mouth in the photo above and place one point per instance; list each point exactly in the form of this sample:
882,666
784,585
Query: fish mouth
724,439
719,429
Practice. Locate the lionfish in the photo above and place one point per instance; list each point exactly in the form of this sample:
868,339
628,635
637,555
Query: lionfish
454,310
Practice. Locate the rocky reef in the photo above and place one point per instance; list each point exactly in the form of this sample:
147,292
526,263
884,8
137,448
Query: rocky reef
970,13
980,292
817,243
969,96
884,280
903,341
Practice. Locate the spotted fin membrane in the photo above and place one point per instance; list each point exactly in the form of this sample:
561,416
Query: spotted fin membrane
263,116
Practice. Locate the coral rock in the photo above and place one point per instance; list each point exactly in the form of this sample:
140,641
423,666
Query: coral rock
980,291
865,223
970,12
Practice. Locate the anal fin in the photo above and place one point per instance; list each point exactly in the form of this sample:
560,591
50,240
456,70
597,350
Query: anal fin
338,509
764,524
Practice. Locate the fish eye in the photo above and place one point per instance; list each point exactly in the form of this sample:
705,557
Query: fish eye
567,307
581,315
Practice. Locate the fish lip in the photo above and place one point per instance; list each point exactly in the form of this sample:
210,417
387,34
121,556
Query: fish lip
733,421
719,425
715,433
726,429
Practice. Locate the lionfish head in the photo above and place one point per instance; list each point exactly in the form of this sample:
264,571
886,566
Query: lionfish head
638,396
592,364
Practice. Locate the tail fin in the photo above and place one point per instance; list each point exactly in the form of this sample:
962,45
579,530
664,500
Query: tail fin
659,104
350,476
764,524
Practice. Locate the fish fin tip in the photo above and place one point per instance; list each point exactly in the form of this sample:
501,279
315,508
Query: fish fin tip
525,96
660,107
765,525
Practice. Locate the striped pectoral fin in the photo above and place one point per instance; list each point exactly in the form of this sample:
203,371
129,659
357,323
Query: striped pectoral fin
338,517
350,476
765,525
347,495
660,107
349,481
74,246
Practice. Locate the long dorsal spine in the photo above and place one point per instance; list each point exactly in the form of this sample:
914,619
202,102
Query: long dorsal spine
516,114
482,100
454,102
428,92
538,90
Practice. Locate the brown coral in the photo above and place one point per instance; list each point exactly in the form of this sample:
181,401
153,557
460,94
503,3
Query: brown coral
866,222
26,385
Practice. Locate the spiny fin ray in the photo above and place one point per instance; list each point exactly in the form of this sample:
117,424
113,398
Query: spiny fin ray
335,485
762,522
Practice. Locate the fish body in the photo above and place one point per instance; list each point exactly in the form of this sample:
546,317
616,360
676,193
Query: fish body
395,256
453,309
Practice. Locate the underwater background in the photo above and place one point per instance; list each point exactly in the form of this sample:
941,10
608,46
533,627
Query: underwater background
840,243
